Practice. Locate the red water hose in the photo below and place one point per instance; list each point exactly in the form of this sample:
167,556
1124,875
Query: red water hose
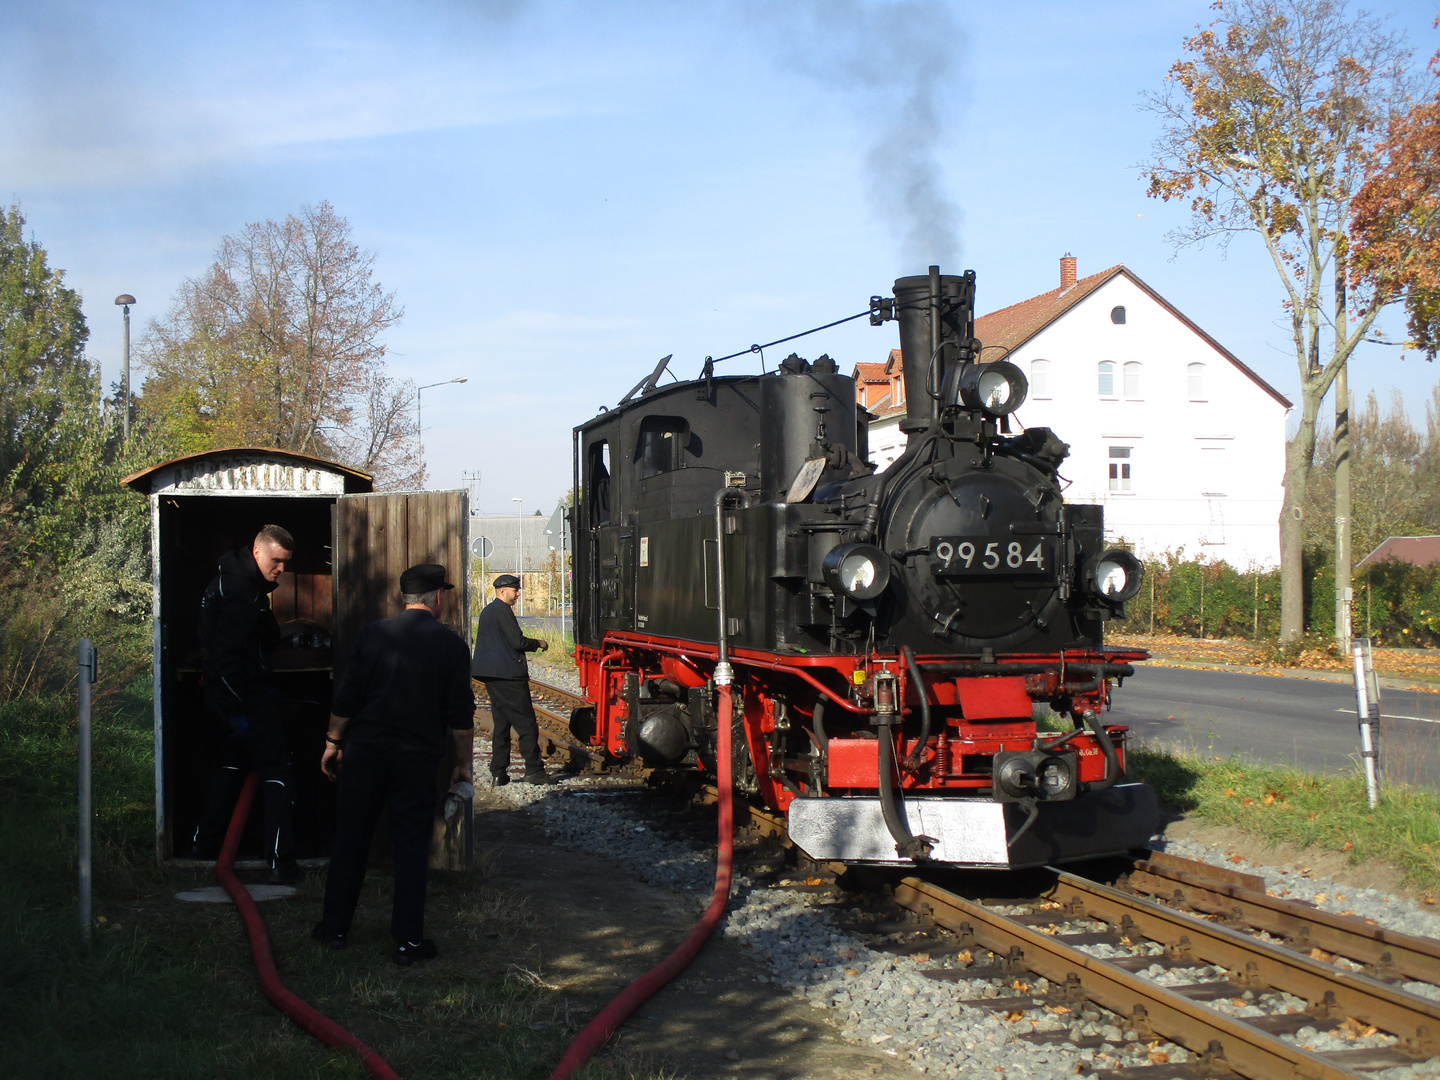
298,1009
628,1000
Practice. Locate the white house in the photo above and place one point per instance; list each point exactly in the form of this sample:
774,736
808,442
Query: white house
1182,443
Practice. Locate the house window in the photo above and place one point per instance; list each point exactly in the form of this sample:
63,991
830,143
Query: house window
1107,379
1119,468
1117,315
1039,378
1132,381
1195,376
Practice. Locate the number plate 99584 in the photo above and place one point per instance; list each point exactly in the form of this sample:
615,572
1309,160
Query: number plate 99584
964,555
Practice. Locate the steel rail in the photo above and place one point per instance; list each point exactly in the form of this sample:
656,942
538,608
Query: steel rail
569,697
1260,965
1225,1043
552,737
1387,953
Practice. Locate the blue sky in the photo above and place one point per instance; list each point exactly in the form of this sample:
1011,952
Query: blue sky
560,194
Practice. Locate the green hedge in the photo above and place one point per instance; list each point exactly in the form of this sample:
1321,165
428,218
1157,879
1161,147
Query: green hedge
1396,604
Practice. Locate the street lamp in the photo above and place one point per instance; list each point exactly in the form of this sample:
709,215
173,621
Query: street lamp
124,300
419,429
520,538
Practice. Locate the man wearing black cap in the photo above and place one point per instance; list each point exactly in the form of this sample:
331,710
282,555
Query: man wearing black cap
405,691
500,650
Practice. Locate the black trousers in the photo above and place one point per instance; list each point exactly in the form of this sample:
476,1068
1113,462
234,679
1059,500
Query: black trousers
405,786
510,706
254,741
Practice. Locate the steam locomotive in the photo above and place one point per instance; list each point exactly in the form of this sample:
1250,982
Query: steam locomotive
892,634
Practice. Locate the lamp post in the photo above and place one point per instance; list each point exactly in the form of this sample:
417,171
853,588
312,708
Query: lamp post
419,428
520,539
124,300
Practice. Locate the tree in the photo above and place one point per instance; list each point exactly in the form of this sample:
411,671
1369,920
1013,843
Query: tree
43,369
1392,483
279,343
1397,221
1270,127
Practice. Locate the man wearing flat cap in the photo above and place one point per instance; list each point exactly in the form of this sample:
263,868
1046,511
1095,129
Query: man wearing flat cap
500,650
404,694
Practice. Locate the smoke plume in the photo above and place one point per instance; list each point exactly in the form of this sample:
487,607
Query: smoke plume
897,61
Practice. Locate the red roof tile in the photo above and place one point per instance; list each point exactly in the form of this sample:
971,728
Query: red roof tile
1006,330
872,373
1415,550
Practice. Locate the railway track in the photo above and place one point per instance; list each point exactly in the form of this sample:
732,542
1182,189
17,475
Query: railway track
1177,954
1197,964
553,705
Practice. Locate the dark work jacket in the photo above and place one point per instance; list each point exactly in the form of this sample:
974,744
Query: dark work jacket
237,634
500,647
405,685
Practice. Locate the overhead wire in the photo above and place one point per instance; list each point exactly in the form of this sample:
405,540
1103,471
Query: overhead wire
711,360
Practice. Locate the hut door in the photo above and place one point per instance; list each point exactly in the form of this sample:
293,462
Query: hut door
377,537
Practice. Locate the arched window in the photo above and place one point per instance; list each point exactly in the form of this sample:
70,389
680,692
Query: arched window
1132,381
1117,315
1195,376
1107,379
1040,379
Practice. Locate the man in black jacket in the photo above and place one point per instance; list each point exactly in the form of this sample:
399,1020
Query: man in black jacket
237,634
405,691
500,650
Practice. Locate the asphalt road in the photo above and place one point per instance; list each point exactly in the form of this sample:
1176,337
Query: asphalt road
1302,722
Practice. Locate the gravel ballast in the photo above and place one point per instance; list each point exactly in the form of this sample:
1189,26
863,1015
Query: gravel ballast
886,1001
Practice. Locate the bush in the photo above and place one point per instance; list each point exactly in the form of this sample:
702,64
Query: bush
1395,603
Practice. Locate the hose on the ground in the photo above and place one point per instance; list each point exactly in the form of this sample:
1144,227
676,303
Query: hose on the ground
593,1036
298,1009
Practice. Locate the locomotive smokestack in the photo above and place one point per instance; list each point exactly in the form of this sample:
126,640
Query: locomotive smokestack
937,321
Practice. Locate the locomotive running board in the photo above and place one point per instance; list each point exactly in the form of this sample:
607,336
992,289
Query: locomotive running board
972,832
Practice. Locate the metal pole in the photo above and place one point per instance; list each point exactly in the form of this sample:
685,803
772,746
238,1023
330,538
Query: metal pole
1367,708
419,427
520,545
86,677
124,300
564,573
125,383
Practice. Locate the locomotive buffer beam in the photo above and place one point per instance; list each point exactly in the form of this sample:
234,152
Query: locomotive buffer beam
974,832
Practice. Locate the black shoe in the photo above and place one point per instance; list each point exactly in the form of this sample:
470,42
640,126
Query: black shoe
329,938
285,872
499,779
540,776
410,952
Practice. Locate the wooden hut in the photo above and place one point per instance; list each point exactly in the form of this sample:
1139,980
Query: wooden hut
351,547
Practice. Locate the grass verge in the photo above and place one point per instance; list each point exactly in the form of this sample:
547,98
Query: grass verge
1285,805
167,988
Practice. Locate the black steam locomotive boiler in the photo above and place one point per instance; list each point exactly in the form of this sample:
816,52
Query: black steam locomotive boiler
891,634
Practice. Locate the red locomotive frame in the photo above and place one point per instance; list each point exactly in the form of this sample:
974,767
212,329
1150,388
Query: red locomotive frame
974,717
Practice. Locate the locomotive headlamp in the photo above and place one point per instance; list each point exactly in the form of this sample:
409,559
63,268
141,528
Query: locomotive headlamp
1116,575
859,571
997,388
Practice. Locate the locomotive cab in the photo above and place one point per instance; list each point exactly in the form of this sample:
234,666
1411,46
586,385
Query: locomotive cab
893,634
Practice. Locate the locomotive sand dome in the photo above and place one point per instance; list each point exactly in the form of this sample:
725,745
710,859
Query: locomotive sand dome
891,634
